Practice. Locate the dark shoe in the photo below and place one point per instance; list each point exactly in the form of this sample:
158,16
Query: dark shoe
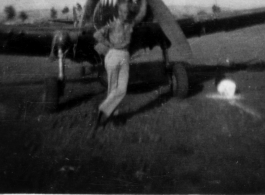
102,120
116,112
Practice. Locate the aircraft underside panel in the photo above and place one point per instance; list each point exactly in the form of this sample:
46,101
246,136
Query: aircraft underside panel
180,49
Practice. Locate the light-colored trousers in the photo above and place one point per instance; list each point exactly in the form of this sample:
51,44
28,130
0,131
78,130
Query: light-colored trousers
117,67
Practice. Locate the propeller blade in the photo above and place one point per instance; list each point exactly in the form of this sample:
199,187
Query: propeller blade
180,49
88,11
74,14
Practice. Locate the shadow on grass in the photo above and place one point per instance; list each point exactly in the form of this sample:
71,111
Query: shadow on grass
161,99
151,75
77,101
197,75
138,88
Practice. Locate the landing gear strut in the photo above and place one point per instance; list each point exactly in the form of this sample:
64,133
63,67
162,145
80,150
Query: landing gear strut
177,76
179,81
54,87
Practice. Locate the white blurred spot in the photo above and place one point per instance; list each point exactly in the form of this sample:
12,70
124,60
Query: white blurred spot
227,88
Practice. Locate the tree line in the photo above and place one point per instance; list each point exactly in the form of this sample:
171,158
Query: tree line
11,13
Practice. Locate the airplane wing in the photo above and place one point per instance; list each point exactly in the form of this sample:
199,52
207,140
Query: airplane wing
37,39
223,23
25,40
33,40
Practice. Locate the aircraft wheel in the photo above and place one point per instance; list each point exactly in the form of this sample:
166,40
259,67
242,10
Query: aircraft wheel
179,81
51,94
102,76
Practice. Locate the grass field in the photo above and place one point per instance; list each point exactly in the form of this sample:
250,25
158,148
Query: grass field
165,145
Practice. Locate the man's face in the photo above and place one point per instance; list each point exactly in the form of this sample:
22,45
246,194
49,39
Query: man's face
123,12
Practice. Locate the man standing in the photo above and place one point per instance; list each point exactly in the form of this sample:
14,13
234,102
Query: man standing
117,37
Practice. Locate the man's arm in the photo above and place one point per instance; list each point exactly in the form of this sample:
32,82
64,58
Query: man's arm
101,36
141,13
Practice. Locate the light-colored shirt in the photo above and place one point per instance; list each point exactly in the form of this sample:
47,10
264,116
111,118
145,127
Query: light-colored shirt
117,35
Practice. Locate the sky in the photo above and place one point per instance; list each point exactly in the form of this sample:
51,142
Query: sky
39,4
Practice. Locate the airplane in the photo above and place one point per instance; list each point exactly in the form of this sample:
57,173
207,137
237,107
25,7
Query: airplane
158,28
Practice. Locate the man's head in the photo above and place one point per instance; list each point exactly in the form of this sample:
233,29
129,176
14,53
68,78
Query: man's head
124,11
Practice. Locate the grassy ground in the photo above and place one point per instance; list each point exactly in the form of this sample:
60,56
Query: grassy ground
166,145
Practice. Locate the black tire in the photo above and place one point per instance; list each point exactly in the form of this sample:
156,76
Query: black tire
179,81
51,94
